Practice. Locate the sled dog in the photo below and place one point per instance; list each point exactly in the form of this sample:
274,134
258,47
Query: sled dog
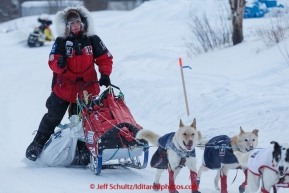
218,155
175,150
270,164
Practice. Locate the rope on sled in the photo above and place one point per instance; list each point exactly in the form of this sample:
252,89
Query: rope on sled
127,134
81,105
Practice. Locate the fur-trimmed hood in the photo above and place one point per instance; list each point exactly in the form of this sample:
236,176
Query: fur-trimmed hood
87,20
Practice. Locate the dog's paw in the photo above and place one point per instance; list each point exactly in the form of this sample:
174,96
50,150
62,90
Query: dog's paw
241,189
198,181
217,188
156,186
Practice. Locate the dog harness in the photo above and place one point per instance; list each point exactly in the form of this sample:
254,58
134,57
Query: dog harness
260,159
217,152
159,159
263,159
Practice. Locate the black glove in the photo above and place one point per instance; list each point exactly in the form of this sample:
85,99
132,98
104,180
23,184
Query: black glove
61,62
104,80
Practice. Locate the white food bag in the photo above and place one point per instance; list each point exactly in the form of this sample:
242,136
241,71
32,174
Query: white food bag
60,149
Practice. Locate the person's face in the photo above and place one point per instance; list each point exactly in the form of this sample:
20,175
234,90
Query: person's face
75,26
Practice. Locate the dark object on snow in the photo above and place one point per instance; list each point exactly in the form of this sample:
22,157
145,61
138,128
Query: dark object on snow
35,148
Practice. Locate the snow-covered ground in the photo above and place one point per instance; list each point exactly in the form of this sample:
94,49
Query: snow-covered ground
246,85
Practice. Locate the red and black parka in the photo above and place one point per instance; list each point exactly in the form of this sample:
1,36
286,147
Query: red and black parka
82,53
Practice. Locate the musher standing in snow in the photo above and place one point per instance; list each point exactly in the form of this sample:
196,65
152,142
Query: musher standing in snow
72,60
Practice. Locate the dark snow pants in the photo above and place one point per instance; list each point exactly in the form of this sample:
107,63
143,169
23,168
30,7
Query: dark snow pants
56,110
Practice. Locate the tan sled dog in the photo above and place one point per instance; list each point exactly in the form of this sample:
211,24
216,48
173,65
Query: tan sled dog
175,150
269,166
218,155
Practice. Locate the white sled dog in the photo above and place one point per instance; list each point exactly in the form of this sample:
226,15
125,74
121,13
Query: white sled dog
270,164
218,155
175,150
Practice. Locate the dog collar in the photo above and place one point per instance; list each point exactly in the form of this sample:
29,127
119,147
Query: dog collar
181,152
166,142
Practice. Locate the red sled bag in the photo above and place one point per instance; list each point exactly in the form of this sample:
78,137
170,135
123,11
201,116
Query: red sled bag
107,122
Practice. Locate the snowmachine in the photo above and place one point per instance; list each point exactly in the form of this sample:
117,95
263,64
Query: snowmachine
40,34
110,130
36,38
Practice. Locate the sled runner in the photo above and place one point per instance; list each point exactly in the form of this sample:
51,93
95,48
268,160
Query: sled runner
110,130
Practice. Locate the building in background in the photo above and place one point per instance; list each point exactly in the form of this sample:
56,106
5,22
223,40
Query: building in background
123,4
49,7
12,9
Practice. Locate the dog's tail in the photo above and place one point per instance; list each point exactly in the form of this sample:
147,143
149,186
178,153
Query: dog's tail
202,142
149,136
242,158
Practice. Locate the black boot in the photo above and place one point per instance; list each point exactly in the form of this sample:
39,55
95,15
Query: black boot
82,155
35,148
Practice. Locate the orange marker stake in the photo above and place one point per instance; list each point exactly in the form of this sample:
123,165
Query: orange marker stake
184,86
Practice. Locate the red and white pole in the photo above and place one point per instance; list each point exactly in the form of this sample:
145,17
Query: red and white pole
184,86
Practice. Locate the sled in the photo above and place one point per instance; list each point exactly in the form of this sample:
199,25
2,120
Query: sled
110,130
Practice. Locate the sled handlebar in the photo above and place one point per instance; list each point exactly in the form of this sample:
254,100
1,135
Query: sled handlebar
91,82
114,86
